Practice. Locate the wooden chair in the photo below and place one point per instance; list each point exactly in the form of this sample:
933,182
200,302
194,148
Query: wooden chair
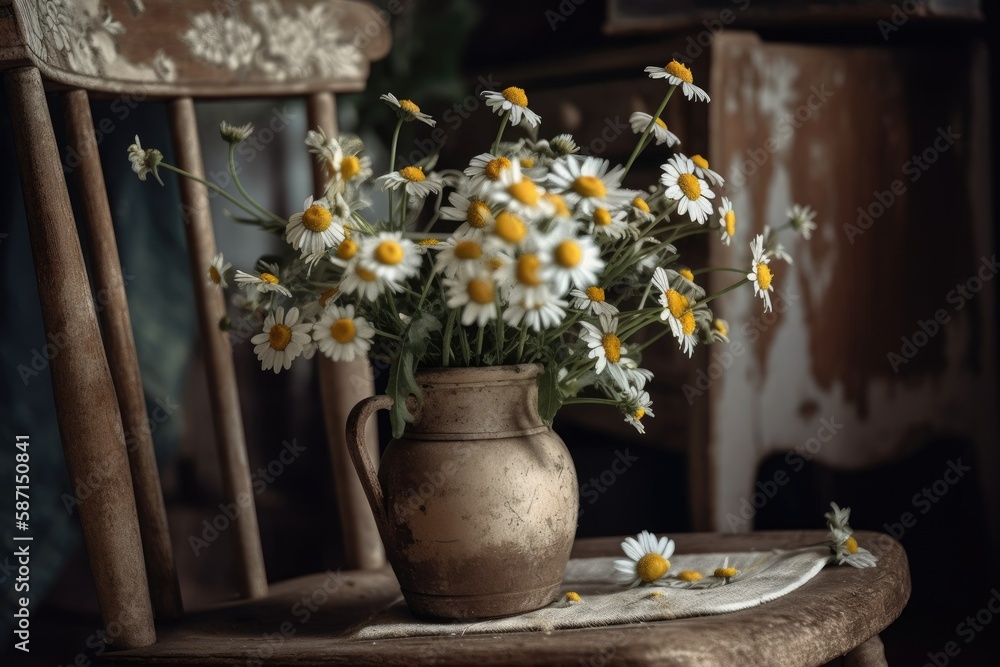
166,51
98,390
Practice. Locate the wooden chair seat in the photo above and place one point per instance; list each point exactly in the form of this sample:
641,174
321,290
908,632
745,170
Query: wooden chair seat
839,612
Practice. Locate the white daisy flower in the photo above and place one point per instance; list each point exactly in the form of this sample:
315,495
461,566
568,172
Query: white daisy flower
340,335
635,405
267,280
485,171
587,184
318,226
647,559
412,180
560,211
563,144
773,247
635,376
760,273
678,74
544,313
341,162
363,281
701,170
640,121
462,254
507,233
522,281
607,224
234,134
389,256
570,260
144,161
475,295
725,572
842,542
639,210
719,331
283,339
514,100
591,300
801,218
474,213
727,220
677,311
217,271
606,348
683,186
520,195
407,110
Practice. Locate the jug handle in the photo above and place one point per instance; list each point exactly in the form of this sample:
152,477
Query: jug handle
357,446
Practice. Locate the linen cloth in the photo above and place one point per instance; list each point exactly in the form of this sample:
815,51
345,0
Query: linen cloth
763,576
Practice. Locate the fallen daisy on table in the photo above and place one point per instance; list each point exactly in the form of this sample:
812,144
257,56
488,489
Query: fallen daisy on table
842,543
647,561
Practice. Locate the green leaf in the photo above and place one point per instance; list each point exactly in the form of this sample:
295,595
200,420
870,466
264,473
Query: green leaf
402,381
549,396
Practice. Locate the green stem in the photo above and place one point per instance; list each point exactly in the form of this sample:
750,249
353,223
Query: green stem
649,128
596,401
449,328
496,142
520,344
640,348
728,289
464,340
392,162
479,345
423,292
500,331
214,188
387,334
242,191
709,269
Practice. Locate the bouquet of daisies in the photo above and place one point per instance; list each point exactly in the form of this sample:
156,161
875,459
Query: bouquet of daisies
534,253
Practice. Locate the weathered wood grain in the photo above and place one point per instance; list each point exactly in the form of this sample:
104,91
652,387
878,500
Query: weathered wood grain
119,346
839,609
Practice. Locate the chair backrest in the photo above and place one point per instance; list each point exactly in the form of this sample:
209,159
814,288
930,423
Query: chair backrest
176,51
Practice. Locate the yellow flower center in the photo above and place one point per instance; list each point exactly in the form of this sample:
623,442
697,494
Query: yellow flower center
641,204
279,336
726,572
559,203
601,217
687,323
409,107
689,575
494,263
516,96
851,544
477,213
350,166
270,278
568,254
524,192
365,274
527,162
764,276
389,252
317,218
639,413
510,228
527,270
214,274
689,186
680,71
468,250
495,167
686,272
428,242
480,291
677,303
415,174
343,330
730,219
573,596
589,186
659,121
347,249
721,327
699,161
612,347
651,567
595,293
326,296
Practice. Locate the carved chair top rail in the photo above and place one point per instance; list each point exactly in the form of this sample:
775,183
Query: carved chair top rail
203,48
